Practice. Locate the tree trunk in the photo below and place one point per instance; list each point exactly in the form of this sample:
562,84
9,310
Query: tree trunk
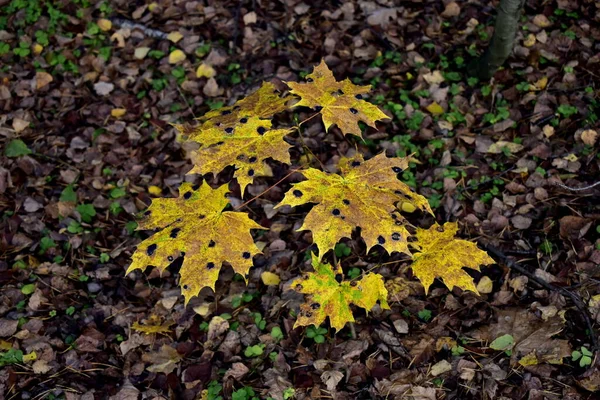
505,30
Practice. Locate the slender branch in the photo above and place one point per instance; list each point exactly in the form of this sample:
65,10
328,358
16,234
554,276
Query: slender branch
574,189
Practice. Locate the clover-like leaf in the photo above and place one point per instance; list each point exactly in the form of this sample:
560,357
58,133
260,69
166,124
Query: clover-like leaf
364,195
329,296
246,146
442,255
195,226
340,103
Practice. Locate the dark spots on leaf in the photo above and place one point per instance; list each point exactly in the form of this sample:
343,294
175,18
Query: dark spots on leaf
236,107
226,195
187,195
440,229
396,236
219,143
151,249
355,163
243,120
228,130
226,112
353,283
218,124
297,193
339,278
342,217
335,212
210,265
315,306
354,111
252,159
170,258
185,287
398,192
201,216
298,287
250,172
308,314
318,108
174,232
246,255
196,187
380,239
309,80
240,157
211,243
182,253
396,169
359,96
346,202
261,130
147,212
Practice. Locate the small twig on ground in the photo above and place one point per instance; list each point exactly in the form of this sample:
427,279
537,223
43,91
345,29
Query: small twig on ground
574,189
579,304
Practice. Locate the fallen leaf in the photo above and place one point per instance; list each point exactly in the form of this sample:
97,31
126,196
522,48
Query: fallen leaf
174,37
163,361
103,88
541,21
176,56
440,368
485,285
104,24
434,77
152,325
250,18
529,40
589,137
141,52
205,71
452,9
435,109
500,146
37,49
19,125
154,190
270,279
42,79
118,112
331,379
548,130
211,88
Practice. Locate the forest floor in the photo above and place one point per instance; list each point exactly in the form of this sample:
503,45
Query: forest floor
88,92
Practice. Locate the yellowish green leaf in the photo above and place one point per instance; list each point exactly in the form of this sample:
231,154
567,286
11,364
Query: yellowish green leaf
246,146
174,36
195,226
270,279
118,112
340,103
205,71
104,24
435,109
329,298
365,195
442,255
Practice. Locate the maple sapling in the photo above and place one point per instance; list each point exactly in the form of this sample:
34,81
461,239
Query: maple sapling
365,194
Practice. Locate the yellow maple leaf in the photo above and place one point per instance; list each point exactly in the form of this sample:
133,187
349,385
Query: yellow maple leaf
153,324
195,226
442,255
364,194
340,103
329,298
263,103
246,146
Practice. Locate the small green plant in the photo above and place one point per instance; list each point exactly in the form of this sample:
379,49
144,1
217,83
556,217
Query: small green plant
584,356
316,333
503,343
424,315
254,351
213,391
244,393
276,333
567,110
12,356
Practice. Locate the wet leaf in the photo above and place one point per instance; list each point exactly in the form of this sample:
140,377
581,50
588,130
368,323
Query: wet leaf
340,103
16,148
364,194
195,226
329,298
441,255
152,325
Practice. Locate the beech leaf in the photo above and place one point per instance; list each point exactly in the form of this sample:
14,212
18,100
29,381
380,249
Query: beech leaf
329,298
443,256
340,103
364,195
195,226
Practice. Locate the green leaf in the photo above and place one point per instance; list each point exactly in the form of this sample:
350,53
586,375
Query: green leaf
576,355
87,212
28,289
16,148
586,352
504,342
117,193
68,194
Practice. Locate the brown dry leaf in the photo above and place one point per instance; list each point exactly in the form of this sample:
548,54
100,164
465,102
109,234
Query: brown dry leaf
452,9
163,361
498,147
153,324
331,379
42,79
589,137
541,21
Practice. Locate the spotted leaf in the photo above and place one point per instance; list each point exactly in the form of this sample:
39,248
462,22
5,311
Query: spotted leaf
365,195
246,146
340,103
442,255
195,226
330,296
